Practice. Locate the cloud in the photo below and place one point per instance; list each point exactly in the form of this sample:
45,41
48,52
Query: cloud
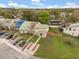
16,5
23,6
67,5
12,4
3,5
52,6
36,1
71,5
37,4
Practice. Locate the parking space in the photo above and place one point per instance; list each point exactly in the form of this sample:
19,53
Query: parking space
15,45
11,52
27,45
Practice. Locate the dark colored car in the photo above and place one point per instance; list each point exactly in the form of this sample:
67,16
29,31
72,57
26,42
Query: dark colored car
22,44
6,34
9,37
17,42
1,33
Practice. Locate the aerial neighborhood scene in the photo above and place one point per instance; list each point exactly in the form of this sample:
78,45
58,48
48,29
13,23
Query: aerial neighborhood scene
39,29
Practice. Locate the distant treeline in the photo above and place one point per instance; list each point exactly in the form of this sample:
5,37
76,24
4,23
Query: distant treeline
42,15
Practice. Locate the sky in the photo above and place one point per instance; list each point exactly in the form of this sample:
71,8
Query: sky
39,3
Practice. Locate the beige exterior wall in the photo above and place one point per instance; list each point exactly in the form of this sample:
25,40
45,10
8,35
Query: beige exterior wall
41,30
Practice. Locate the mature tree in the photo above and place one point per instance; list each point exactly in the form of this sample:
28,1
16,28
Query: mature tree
27,15
43,16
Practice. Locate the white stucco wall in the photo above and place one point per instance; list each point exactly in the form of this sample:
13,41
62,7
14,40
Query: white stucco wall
72,30
41,29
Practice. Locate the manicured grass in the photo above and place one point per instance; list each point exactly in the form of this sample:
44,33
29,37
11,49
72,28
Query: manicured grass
54,47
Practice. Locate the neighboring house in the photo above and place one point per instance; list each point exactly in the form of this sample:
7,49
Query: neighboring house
19,23
27,27
1,20
9,23
72,29
54,22
23,26
5,22
35,28
41,30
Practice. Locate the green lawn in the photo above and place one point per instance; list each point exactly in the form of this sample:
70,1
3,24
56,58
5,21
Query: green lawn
55,48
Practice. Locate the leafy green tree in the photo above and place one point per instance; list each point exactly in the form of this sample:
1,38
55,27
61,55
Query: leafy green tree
43,17
27,14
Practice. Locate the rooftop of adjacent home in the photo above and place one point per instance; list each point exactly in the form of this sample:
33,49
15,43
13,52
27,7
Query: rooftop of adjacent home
42,26
74,25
